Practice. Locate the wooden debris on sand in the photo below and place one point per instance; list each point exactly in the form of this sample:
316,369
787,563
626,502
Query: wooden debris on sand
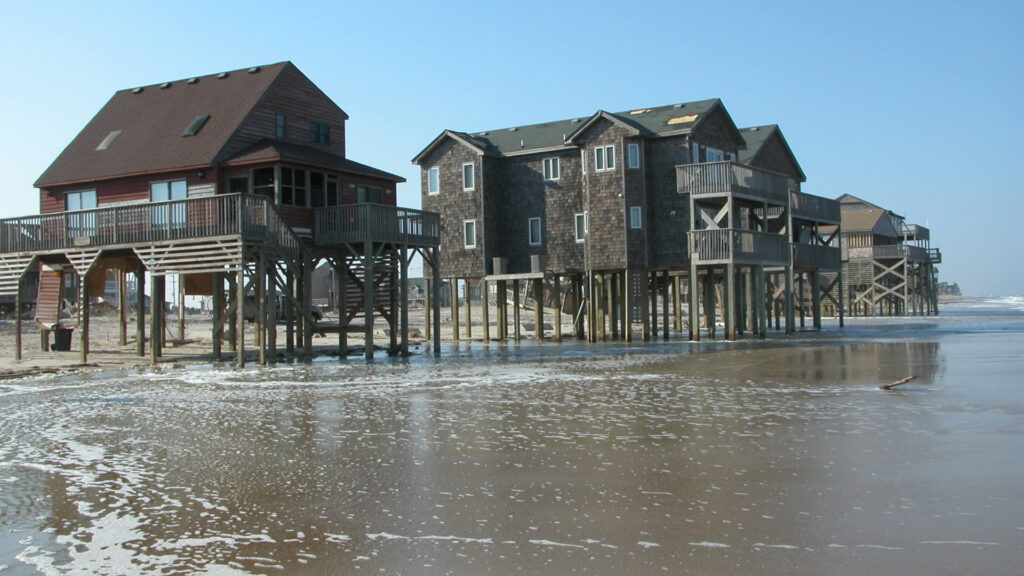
897,383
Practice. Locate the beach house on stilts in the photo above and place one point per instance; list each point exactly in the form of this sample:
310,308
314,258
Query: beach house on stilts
630,217
239,183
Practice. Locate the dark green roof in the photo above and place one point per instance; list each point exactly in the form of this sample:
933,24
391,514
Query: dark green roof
755,137
549,135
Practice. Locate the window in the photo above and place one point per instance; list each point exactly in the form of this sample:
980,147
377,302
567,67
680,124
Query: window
172,215
636,217
467,177
433,181
316,189
604,158
370,194
534,231
293,187
695,153
714,154
238,185
551,169
581,227
319,133
469,229
633,151
282,127
263,182
81,224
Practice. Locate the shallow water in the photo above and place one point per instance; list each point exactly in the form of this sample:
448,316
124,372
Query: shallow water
776,457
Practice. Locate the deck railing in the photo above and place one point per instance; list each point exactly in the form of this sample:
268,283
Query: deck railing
739,247
716,178
814,208
255,218
817,256
376,223
934,256
899,251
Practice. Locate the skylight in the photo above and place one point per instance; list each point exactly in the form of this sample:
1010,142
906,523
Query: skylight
109,140
196,125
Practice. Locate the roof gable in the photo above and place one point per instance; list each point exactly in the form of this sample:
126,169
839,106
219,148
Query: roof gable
151,121
758,139
576,136
461,137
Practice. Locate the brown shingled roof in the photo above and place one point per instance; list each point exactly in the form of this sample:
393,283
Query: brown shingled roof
308,156
151,120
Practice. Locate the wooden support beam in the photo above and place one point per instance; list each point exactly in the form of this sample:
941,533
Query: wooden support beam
760,298
289,308
217,303
468,290
538,308
557,313
17,320
272,313
435,264
427,305
677,302
122,312
790,318
240,317
515,310
260,319
181,307
694,298
404,299
306,305
83,316
140,311
729,293
454,303
665,304
369,273
484,310
341,277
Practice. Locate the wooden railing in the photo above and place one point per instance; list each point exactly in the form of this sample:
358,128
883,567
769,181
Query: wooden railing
817,256
934,256
739,247
899,251
376,223
255,218
914,232
715,178
814,208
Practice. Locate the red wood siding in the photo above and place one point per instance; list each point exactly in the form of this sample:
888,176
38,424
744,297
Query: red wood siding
134,188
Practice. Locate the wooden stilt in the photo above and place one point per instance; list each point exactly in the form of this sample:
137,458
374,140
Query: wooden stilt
240,317
759,302
665,304
579,317
17,321
217,303
181,307
156,305
485,310
140,311
260,319
729,294
122,312
515,310
289,309
435,264
368,299
677,301
538,308
454,285
341,271
557,313
272,314
790,317
393,321
815,282
404,299
693,312
83,317
427,305
469,308
307,305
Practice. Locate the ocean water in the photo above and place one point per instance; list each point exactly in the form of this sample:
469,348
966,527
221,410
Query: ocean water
754,457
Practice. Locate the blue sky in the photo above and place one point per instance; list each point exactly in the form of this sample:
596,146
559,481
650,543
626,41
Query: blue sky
914,106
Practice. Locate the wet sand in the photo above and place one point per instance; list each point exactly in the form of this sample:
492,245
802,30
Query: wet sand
776,457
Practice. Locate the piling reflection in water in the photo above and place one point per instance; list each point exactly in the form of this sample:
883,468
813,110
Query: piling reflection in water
739,459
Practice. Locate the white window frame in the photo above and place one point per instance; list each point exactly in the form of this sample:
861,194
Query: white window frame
468,184
580,220
81,224
552,169
433,181
633,155
636,217
710,152
604,158
529,232
468,242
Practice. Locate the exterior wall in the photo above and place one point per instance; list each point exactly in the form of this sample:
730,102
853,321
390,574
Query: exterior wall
717,131
123,190
669,210
606,244
521,193
293,95
455,206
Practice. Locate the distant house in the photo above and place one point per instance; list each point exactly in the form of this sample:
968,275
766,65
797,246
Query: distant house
240,181
625,205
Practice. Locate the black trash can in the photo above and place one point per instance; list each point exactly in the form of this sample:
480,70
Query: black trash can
61,340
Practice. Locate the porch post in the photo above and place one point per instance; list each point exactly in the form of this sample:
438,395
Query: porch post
140,311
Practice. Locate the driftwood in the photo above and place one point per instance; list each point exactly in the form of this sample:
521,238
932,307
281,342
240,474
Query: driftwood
897,383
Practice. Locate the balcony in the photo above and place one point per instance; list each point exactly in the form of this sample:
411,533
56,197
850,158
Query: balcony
913,232
359,223
729,178
934,256
815,208
745,247
899,252
254,218
816,257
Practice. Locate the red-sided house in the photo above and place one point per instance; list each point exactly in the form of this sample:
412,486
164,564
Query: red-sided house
239,180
